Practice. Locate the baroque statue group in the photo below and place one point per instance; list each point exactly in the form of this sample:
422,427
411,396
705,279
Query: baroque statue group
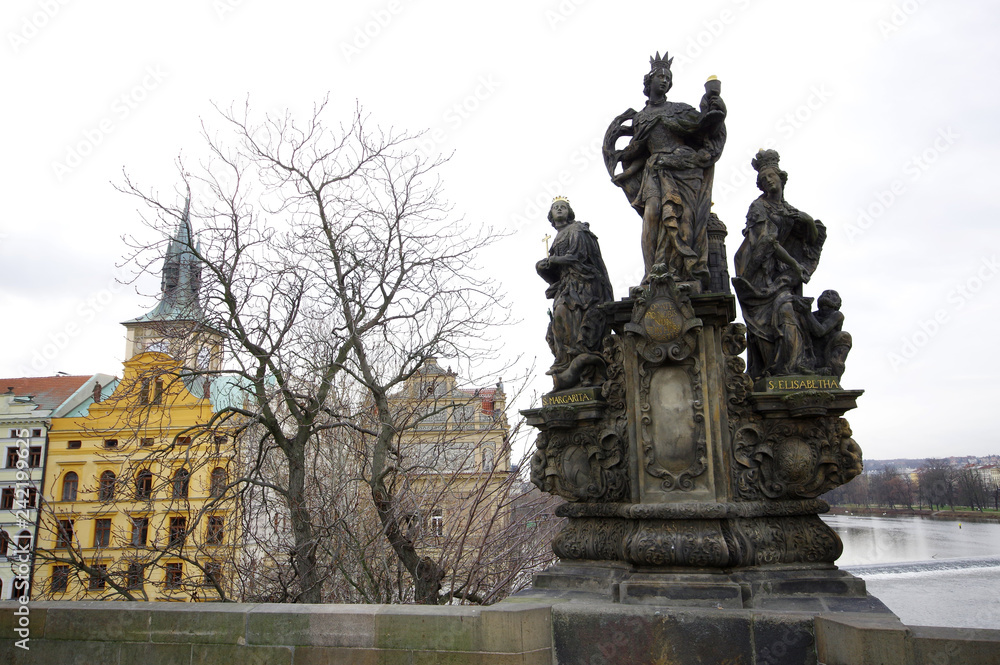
669,448
667,169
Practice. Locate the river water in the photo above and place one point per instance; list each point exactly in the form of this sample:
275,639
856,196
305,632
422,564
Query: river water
930,572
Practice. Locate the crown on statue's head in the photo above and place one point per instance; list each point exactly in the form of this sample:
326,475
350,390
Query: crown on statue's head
765,159
560,198
656,62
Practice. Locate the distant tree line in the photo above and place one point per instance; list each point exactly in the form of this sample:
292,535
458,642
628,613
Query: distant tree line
937,486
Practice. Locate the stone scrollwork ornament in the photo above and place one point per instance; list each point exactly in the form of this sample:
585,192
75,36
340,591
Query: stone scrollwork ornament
664,321
581,451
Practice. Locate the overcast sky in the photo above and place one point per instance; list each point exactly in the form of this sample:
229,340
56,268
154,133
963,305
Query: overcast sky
884,112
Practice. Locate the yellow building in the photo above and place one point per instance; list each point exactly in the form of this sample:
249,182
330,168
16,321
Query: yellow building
136,500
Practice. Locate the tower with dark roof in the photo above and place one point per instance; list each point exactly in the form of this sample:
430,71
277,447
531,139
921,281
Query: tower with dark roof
177,325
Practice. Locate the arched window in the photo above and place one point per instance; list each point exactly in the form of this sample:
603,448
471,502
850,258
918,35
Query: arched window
70,483
24,541
4,542
106,488
181,480
144,485
219,481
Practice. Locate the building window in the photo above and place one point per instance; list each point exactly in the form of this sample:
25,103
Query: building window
70,483
144,485
7,499
183,441
437,522
35,457
36,433
144,392
181,481
99,578
102,532
11,457
488,460
158,392
146,441
60,578
219,482
32,500
74,444
4,543
134,576
213,573
64,533
106,487
175,572
140,531
213,536
24,541
178,531
110,443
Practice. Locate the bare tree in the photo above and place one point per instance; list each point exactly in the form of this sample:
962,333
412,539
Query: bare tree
936,483
333,271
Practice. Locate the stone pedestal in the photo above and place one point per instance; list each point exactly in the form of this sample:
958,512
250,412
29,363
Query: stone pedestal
685,483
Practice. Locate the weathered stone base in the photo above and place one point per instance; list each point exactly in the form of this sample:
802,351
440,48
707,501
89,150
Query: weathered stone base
786,588
695,542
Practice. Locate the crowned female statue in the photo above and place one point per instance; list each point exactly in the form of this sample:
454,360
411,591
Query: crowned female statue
667,172
578,285
780,251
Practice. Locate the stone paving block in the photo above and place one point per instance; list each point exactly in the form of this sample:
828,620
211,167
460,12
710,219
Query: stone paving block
539,657
848,639
67,652
641,636
193,623
9,621
516,628
415,627
108,621
144,653
783,639
336,656
226,654
813,605
312,625
455,658
955,645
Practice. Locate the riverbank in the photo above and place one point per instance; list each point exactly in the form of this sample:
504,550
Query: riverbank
957,515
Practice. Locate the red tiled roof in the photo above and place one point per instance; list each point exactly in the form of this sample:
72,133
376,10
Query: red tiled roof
48,391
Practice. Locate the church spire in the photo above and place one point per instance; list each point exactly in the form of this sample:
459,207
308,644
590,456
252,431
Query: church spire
181,275
179,313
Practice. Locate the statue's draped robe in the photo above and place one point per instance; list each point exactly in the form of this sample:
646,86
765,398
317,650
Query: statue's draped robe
578,326
770,291
679,151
